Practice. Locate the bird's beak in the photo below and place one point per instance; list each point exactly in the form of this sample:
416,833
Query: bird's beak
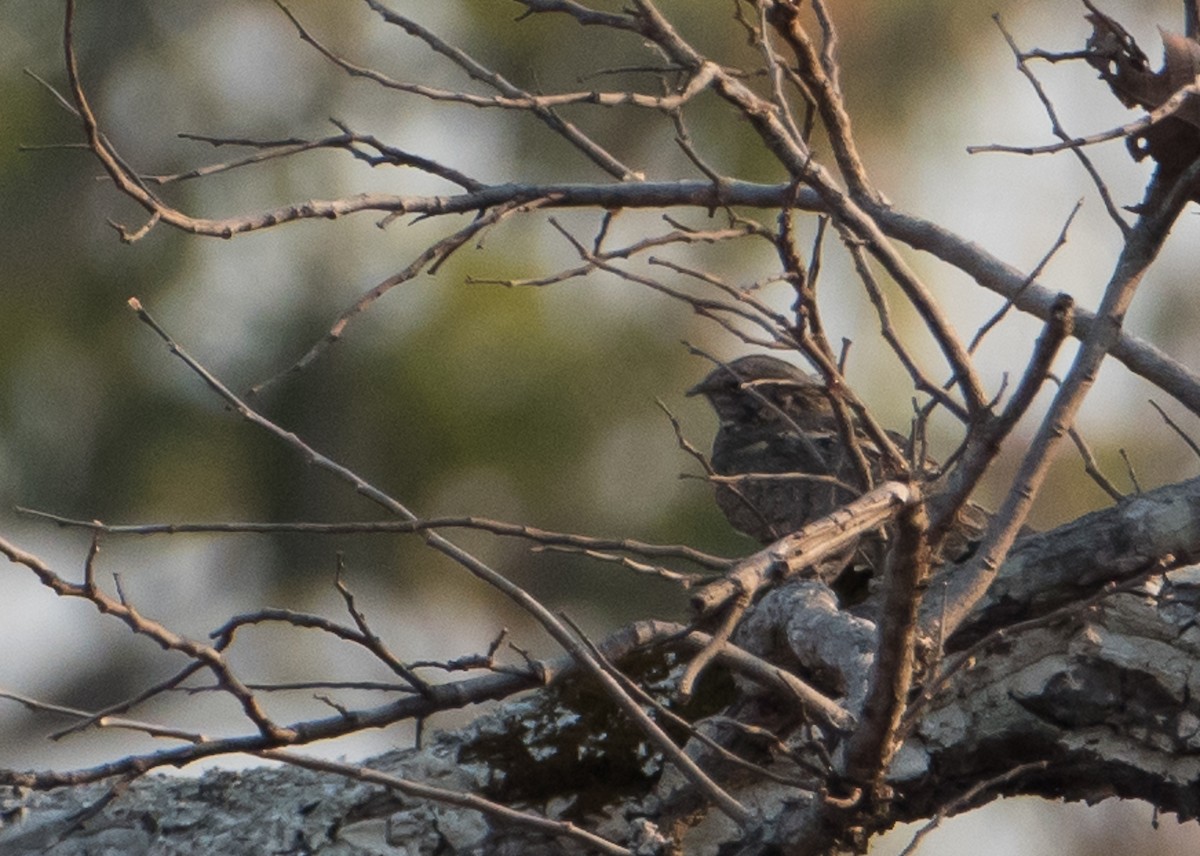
716,379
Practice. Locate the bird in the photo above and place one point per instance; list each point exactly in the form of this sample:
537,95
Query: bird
776,420
788,461
785,454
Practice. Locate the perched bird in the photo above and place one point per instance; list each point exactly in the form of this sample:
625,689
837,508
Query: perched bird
778,421
780,441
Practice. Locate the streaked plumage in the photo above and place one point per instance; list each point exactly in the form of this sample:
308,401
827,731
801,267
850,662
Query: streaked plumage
776,420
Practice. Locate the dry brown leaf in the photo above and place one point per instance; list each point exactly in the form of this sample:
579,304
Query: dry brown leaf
1174,141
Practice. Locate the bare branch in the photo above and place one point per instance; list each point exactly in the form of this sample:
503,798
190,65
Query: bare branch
428,260
1162,206
820,77
1174,426
983,444
791,555
1142,358
1059,243
874,742
1056,127
800,166
483,524
477,568
210,657
1092,468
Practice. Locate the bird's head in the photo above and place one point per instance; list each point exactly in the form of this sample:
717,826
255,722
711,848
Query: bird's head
764,390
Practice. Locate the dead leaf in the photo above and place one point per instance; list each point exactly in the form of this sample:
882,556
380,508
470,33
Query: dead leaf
1173,141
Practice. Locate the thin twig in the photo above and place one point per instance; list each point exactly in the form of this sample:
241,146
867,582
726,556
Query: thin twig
984,440
1092,467
103,720
892,337
1164,111
1037,271
429,260
371,640
820,75
968,798
1058,130
734,612
209,656
477,71
1174,426
1129,470
776,76
389,527
347,140
684,581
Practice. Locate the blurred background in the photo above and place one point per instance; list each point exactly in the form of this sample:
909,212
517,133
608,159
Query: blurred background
533,405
